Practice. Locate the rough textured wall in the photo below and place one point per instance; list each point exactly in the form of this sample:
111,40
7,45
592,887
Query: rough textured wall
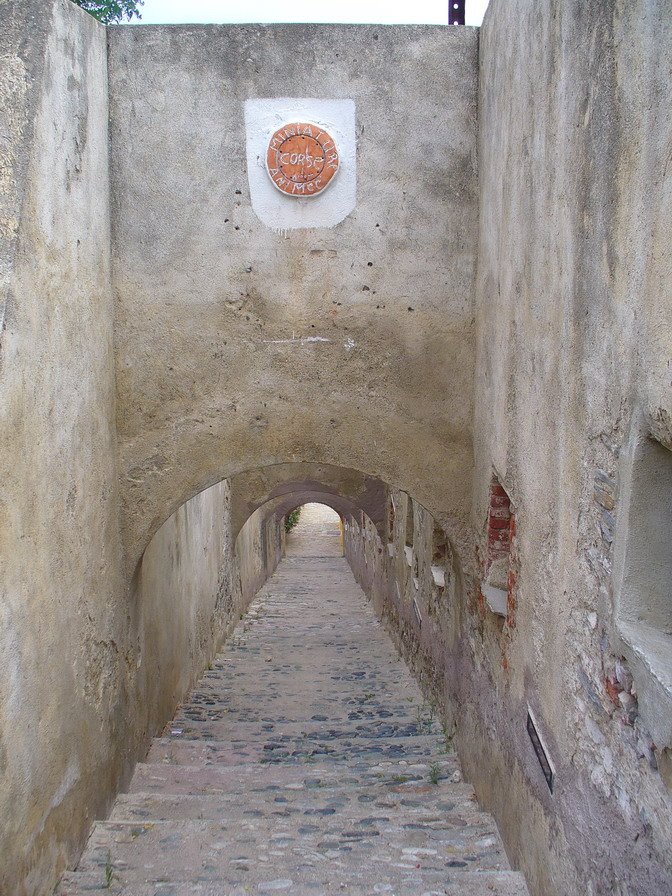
65,657
259,548
238,346
90,667
186,597
574,327
415,584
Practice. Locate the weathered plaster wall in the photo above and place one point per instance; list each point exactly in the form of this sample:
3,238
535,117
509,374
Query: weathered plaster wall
190,588
259,548
65,657
574,325
91,666
219,367
309,361
420,596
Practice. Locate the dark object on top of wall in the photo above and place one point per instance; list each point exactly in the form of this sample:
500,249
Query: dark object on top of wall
456,12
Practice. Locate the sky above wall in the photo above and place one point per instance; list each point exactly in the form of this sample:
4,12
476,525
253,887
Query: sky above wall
379,12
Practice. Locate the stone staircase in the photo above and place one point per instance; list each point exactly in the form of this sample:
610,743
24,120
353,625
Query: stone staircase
306,762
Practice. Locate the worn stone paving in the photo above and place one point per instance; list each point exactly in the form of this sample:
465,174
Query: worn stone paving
305,762
317,534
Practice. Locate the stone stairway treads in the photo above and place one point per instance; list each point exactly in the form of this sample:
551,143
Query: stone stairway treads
156,778
288,801
266,746
406,883
305,762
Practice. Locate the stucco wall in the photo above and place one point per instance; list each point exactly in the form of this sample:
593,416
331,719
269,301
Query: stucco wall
574,325
259,547
421,599
186,597
91,664
65,656
332,353
238,346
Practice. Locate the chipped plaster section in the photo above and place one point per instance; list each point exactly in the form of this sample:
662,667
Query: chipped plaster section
272,207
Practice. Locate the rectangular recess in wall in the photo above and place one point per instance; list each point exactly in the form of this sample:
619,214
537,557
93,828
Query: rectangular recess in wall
542,756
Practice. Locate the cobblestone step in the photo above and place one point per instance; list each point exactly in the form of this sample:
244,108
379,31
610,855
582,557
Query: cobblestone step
407,882
281,801
160,777
355,731
195,849
296,744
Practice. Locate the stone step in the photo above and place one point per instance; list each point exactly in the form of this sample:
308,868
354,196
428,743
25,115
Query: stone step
225,721
241,851
348,731
302,654
403,883
332,703
278,802
294,746
159,777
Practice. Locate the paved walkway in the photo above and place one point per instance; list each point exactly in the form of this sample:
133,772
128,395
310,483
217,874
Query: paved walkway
317,534
306,762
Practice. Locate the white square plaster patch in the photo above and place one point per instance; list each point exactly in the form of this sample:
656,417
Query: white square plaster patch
271,206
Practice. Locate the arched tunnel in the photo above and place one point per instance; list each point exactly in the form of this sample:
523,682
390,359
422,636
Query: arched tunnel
315,622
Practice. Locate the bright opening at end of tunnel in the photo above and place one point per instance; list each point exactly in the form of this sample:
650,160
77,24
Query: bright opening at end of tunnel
318,532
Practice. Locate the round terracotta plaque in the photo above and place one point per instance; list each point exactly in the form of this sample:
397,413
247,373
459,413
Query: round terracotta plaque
302,159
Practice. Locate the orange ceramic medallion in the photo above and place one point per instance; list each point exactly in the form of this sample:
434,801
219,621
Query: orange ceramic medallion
302,159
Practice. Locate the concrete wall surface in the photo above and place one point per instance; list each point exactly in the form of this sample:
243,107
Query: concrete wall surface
259,548
574,343
189,590
65,654
239,347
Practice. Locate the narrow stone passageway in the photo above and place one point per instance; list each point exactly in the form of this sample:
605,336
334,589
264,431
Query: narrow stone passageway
305,762
317,534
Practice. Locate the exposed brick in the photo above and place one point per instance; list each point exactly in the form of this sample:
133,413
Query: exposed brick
511,601
613,689
501,529
498,536
498,502
497,552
